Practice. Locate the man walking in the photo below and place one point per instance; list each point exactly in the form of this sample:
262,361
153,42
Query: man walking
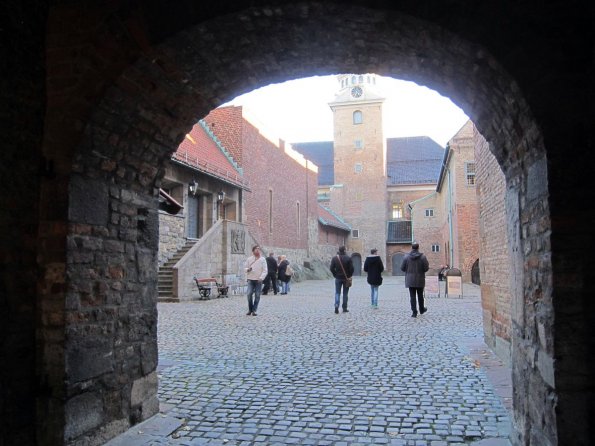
271,278
256,271
342,270
415,265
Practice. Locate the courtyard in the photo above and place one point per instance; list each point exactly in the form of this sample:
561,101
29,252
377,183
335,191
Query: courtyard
299,374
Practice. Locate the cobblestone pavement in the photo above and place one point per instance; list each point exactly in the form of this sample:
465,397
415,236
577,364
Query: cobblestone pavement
299,374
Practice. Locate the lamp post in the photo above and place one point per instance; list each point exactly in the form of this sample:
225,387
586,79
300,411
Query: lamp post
220,198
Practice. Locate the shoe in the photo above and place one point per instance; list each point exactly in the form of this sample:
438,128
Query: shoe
336,310
263,294
413,314
345,310
248,313
375,307
275,294
283,293
254,313
423,310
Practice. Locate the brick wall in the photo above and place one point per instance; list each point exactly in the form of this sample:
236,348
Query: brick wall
494,245
277,175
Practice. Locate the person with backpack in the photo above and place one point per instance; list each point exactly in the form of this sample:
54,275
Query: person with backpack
374,267
342,270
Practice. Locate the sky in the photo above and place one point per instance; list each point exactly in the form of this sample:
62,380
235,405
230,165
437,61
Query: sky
298,111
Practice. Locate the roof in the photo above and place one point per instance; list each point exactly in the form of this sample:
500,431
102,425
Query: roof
413,160
320,153
328,218
202,151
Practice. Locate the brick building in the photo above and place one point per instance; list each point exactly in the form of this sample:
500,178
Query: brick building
378,185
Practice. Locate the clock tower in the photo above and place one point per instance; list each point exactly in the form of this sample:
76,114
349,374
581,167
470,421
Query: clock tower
360,192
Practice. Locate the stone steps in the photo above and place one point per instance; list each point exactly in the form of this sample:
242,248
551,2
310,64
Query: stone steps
165,275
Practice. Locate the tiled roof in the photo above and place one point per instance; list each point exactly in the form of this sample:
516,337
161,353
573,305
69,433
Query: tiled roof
413,160
201,150
322,154
328,218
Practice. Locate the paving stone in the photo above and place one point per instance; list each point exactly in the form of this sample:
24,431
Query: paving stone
300,373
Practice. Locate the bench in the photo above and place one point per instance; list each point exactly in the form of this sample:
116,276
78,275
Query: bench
207,284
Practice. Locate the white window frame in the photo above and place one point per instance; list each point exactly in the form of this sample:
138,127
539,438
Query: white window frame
358,144
397,208
358,167
429,212
470,174
435,247
355,233
358,117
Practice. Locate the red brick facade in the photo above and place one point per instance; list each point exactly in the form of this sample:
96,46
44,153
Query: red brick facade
495,260
283,185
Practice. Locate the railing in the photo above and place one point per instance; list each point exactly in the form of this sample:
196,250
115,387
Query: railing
203,165
399,232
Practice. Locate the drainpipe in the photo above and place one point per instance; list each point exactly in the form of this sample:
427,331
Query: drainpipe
450,229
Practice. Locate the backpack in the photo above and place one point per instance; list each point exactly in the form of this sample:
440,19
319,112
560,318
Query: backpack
289,271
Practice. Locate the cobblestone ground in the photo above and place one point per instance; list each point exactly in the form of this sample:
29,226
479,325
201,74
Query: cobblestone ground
299,374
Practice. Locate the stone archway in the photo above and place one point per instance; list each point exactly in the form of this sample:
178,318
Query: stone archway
122,94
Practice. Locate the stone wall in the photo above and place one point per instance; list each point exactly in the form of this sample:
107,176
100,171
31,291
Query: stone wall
172,235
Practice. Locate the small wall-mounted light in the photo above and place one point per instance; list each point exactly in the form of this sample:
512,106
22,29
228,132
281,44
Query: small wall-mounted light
220,196
193,187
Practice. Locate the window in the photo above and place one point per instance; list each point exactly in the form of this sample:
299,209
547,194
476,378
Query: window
397,211
429,212
359,196
435,247
299,222
359,145
270,211
358,167
470,172
355,233
361,79
358,117
353,79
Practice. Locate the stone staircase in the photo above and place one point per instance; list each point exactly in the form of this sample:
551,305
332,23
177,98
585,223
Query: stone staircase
165,274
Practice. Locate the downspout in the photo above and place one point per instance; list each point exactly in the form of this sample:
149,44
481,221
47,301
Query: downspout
450,230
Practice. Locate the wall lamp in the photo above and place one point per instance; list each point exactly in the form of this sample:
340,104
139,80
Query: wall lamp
220,196
193,187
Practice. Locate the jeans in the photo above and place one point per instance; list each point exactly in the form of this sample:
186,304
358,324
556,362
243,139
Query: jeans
374,295
338,284
420,298
284,287
254,287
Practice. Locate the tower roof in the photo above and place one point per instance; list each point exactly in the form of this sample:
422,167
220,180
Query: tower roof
357,88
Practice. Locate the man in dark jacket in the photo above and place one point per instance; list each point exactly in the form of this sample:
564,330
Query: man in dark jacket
271,278
415,265
374,267
341,268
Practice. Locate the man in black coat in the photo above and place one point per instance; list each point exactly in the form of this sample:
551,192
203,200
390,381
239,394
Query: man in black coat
341,268
271,278
415,265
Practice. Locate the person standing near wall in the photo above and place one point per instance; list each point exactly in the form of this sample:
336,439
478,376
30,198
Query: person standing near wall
415,265
374,267
284,278
342,270
256,271
271,279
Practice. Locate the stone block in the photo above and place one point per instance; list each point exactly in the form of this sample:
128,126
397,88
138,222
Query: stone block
144,389
83,413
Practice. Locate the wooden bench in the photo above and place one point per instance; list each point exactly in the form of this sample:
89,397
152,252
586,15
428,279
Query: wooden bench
207,284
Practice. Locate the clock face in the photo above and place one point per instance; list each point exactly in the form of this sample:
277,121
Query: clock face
356,92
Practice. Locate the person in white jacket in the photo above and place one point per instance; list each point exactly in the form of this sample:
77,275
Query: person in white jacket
256,272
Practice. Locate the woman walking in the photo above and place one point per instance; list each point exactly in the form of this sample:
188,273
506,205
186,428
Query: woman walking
374,267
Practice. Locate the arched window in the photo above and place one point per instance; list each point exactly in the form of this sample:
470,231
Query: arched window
361,79
353,79
358,117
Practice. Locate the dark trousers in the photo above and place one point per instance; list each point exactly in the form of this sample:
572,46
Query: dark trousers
420,298
270,281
